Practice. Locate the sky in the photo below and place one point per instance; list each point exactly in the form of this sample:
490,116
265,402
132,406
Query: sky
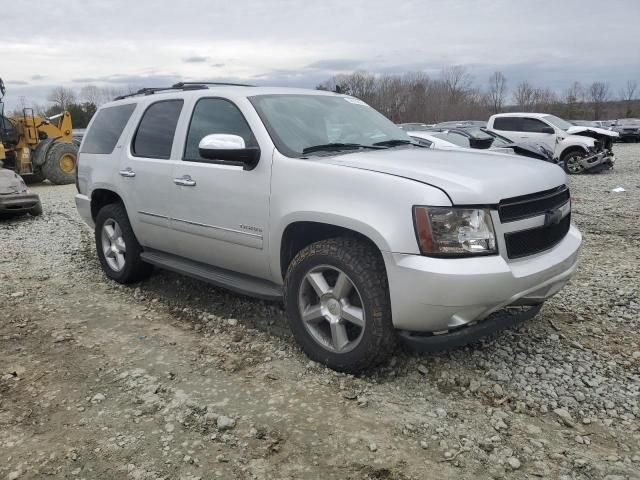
148,43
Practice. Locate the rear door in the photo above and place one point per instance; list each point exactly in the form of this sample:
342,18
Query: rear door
219,210
145,169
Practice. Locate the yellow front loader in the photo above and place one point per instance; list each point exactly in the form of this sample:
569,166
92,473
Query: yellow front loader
38,148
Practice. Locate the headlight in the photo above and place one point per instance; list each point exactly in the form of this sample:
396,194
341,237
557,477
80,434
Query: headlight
449,231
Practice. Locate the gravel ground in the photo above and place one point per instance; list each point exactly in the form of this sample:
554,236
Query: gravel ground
174,379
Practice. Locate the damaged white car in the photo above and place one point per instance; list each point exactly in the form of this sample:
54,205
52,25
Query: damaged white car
576,148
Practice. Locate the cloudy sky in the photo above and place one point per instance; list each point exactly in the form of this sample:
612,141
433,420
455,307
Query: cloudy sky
301,43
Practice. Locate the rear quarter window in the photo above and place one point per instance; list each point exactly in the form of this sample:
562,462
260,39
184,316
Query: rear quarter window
106,129
508,124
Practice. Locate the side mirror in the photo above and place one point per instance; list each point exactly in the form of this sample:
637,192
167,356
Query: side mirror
548,130
222,147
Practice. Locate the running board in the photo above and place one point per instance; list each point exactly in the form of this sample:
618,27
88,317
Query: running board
237,282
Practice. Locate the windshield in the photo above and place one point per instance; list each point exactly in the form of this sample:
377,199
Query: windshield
558,122
298,122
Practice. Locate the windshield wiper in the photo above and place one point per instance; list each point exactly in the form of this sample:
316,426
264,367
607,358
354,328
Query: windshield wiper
328,147
396,143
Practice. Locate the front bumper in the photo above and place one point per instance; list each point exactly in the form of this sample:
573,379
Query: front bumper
597,159
438,295
18,202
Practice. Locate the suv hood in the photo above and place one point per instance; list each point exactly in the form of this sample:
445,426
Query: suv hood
467,177
577,130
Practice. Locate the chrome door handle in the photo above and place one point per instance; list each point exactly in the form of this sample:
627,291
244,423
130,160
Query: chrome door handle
127,172
185,181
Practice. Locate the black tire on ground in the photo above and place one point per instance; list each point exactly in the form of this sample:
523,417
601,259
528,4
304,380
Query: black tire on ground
37,177
60,166
567,158
364,266
134,268
36,211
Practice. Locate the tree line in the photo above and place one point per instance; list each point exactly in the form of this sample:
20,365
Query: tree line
82,104
454,95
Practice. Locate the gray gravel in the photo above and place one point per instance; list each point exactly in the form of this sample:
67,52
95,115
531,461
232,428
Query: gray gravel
201,383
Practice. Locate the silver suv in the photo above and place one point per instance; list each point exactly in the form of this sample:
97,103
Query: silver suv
315,199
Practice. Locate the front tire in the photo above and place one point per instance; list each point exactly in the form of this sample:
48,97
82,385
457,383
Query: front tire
338,306
571,162
60,165
36,210
117,247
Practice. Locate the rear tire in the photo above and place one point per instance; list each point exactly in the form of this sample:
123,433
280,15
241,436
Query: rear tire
348,327
117,246
60,166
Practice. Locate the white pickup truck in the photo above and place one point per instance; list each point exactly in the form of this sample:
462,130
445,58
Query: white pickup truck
576,148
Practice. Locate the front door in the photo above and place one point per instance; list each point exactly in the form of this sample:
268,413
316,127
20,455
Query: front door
532,132
146,171
219,210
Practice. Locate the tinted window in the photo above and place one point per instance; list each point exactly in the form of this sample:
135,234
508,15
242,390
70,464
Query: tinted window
156,130
509,124
215,115
532,125
107,128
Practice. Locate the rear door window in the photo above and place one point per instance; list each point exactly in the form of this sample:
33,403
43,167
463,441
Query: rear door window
156,130
106,129
508,124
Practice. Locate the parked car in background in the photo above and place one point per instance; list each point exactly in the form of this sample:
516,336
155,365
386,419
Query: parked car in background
482,139
221,183
414,127
77,134
461,124
432,140
585,123
577,148
628,129
15,198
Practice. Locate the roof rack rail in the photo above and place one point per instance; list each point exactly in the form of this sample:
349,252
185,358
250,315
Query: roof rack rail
151,91
229,84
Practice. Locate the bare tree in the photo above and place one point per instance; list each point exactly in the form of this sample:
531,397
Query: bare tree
91,94
61,97
524,96
457,82
627,95
573,99
497,91
598,95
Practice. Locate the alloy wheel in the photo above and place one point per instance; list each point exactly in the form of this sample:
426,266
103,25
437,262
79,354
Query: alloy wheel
331,309
113,245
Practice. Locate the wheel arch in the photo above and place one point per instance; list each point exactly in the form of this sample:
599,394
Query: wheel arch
572,148
101,197
298,233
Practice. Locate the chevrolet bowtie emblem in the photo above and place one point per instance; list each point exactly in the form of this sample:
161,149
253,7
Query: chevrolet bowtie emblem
552,217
